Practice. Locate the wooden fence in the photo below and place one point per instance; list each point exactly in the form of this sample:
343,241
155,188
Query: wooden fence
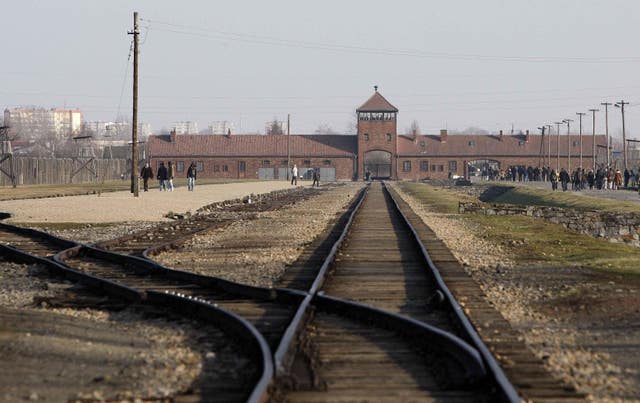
52,171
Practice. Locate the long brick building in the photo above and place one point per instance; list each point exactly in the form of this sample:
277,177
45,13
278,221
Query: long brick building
377,148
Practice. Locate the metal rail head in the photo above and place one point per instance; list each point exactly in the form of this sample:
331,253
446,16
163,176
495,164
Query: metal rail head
508,390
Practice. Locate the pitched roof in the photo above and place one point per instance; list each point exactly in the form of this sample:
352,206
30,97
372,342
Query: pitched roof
474,146
377,103
316,145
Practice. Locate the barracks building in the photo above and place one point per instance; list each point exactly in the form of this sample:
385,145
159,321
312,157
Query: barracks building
376,148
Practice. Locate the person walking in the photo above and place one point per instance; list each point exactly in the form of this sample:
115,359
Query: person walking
294,175
554,179
191,176
162,176
146,173
564,179
316,177
170,173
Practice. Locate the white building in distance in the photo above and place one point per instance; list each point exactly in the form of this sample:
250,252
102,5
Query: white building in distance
34,122
186,127
222,127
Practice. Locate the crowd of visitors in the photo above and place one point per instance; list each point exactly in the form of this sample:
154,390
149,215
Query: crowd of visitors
580,178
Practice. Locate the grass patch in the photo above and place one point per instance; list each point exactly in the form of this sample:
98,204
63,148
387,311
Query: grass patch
73,189
534,241
525,195
439,199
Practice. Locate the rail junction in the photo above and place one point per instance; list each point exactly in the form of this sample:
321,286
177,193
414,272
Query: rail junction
375,309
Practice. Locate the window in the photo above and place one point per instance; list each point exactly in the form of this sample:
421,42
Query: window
200,166
266,162
576,144
406,166
521,143
242,166
453,166
180,166
225,168
388,136
422,144
472,143
306,163
216,168
326,162
433,168
424,166
366,137
284,162
440,168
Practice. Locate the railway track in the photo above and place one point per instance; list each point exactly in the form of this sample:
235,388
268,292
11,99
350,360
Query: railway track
110,276
363,314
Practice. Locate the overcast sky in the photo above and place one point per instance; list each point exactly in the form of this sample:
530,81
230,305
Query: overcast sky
447,64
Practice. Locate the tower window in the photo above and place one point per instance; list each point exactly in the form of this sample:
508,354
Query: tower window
388,136
366,137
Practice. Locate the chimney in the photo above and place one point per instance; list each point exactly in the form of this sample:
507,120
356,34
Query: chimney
500,137
526,136
443,135
172,135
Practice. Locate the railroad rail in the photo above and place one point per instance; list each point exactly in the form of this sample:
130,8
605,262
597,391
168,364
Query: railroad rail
37,247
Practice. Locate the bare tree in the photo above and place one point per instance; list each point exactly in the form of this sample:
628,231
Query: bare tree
275,127
414,128
473,130
324,128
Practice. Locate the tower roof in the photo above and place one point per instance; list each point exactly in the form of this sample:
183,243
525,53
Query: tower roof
377,103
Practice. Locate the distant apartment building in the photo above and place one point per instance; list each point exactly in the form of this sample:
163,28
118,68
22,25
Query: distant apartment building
222,127
33,122
115,130
185,127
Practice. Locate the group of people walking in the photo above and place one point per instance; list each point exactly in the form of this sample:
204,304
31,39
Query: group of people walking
315,175
165,175
602,179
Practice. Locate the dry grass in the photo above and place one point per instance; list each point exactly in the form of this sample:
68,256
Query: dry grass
534,241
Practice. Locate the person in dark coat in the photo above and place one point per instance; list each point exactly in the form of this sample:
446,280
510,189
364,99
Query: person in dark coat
146,173
316,177
192,172
564,179
162,176
553,177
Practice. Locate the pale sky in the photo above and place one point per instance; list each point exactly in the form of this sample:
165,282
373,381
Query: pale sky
447,64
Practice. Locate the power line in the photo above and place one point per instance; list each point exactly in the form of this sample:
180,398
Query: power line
218,35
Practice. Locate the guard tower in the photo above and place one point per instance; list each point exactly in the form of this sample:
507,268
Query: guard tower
6,155
377,138
85,157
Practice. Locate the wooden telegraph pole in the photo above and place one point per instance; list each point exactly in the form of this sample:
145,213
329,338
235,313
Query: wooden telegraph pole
621,105
288,146
593,131
606,129
581,114
134,124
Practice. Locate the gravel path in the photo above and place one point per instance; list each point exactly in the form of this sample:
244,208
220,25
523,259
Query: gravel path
277,238
122,206
55,354
527,298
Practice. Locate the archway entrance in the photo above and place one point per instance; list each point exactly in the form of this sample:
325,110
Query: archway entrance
378,163
483,168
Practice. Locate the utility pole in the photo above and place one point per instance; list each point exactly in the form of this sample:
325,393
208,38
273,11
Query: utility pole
606,128
549,144
542,129
580,114
593,151
288,145
558,145
621,105
568,122
134,124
